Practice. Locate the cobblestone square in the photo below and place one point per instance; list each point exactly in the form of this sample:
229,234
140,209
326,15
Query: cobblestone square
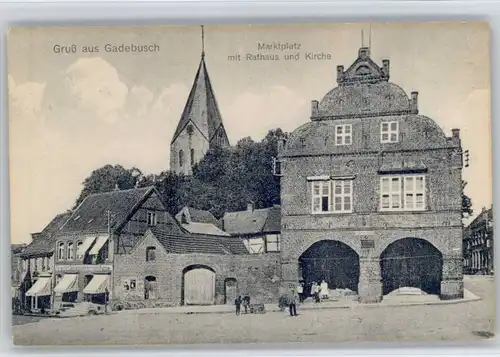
464,321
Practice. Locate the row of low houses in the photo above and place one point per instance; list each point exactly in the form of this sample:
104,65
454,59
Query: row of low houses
478,244
124,248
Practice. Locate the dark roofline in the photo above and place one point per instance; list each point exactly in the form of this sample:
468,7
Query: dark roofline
137,205
131,212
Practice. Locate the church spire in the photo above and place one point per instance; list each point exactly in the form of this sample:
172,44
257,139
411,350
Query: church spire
202,41
200,126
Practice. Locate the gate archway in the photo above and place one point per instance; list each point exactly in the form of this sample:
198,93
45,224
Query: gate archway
332,261
198,286
411,262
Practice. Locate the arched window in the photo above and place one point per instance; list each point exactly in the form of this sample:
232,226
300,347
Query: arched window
181,158
70,251
192,157
150,254
60,251
79,250
150,288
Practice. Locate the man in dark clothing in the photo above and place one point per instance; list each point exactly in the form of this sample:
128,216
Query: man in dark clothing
292,303
237,303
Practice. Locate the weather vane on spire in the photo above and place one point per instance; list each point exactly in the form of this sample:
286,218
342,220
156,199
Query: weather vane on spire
202,41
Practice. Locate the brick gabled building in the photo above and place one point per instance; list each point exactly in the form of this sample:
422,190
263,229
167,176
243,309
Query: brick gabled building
103,227
478,244
371,191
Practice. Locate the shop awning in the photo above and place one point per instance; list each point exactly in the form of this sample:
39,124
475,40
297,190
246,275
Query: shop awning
97,285
68,284
101,240
40,288
82,249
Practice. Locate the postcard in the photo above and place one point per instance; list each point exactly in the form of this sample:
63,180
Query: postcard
250,184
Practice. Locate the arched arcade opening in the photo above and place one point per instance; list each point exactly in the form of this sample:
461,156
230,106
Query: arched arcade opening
332,261
411,262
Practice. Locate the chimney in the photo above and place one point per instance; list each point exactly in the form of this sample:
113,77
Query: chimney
455,133
281,145
35,236
250,206
340,73
414,103
385,67
314,108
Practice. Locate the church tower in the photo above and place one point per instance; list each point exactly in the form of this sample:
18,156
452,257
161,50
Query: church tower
200,127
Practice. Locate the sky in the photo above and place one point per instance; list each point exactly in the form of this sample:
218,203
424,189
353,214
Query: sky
70,113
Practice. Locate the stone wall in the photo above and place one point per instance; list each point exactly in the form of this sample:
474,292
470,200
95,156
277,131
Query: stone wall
256,275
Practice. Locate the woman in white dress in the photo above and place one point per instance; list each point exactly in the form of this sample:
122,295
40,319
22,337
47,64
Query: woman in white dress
324,290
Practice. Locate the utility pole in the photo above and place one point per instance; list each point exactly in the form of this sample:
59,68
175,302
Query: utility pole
109,253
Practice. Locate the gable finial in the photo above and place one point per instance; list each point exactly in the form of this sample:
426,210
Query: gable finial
362,38
202,41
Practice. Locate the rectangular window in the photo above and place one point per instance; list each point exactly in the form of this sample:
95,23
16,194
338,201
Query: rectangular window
151,218
405,193
132,284
343,134
273,243
332,196
389,132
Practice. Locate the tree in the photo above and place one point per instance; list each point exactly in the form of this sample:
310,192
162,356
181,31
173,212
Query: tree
107,178
466,202
225,180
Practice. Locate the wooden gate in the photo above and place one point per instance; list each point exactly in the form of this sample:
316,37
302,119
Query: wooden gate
199,287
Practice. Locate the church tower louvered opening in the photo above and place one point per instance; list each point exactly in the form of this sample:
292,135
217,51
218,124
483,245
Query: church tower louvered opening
200,127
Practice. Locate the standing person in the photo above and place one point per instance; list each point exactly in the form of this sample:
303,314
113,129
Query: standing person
313,291
300,292
237,303
317,289
292,303
325,294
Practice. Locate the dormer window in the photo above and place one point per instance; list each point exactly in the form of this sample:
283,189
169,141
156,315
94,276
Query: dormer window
151,217
389,132
343,134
